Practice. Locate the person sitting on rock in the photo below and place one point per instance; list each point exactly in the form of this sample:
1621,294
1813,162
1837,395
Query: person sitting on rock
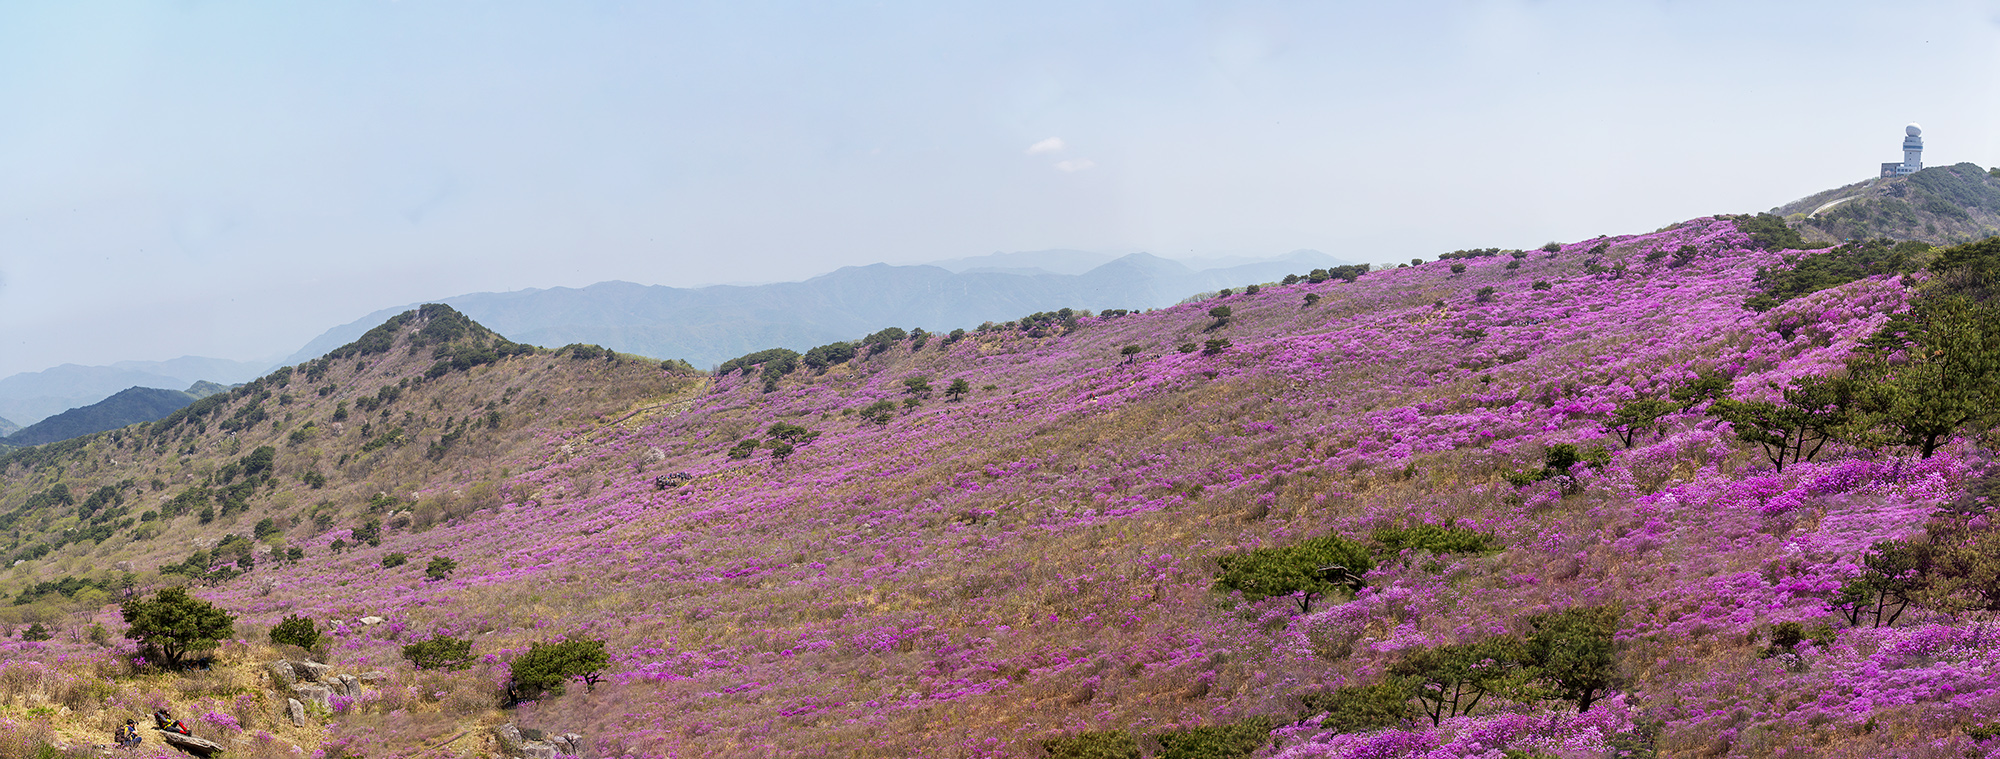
164,721
128,734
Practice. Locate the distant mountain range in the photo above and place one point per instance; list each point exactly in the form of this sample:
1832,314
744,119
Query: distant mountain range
30,397
8,428
129,406
709,325
1941,205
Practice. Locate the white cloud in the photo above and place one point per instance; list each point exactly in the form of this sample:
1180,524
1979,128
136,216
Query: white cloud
1050,145
1075,164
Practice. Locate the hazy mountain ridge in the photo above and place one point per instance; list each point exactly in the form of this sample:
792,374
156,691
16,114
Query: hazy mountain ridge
125,407
712,324
29,397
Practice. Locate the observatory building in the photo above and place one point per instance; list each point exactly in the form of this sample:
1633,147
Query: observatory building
1913,153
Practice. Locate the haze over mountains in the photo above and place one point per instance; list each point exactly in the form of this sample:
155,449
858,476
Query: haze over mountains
30,397
129,406
709,325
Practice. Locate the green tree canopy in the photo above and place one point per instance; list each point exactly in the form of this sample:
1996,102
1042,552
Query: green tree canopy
440,652
173,624
547,667
1307,570
295,631
1571,651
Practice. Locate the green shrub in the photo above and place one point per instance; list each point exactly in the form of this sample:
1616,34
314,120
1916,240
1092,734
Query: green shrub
1361,708
1543,284
1215,741
36,632
394,560
440,568
547,667
1312,299
440,652
879,412
174,624
1832,268
1214,347
791,433
1097,744
1308,569
744,448
1571,650
1434,538
1458,268
295,631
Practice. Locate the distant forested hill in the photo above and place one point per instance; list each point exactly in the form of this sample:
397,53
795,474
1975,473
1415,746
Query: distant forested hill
8,428
128,406
29,397
1941,205
709,325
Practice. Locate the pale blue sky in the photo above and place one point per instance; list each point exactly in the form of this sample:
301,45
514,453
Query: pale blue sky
230,179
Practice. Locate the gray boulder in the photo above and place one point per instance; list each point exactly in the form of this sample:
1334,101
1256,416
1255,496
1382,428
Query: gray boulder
317,695
350,686
538,750
509,737
568,743
282,674
296,711
202,747
312,671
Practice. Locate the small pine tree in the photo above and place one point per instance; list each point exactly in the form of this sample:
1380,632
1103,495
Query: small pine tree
441,652
547,667
440,568
36,632
174,624
295,631
1306,570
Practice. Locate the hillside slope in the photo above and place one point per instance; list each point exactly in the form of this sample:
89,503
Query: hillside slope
879,560
1941,205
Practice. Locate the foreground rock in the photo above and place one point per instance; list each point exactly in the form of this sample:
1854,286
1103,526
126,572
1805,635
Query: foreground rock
197,746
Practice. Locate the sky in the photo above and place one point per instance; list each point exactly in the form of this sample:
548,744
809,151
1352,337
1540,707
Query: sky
231,179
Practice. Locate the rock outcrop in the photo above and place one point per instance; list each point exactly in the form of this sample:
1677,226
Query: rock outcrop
201,747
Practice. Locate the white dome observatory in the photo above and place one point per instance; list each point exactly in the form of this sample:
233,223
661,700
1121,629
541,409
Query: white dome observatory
1913,153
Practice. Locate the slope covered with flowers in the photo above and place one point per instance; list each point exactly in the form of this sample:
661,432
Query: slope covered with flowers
970,577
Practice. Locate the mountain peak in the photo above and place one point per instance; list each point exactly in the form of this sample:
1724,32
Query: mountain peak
1940,205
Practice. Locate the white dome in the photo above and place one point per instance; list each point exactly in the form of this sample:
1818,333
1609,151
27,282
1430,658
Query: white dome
1913,129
